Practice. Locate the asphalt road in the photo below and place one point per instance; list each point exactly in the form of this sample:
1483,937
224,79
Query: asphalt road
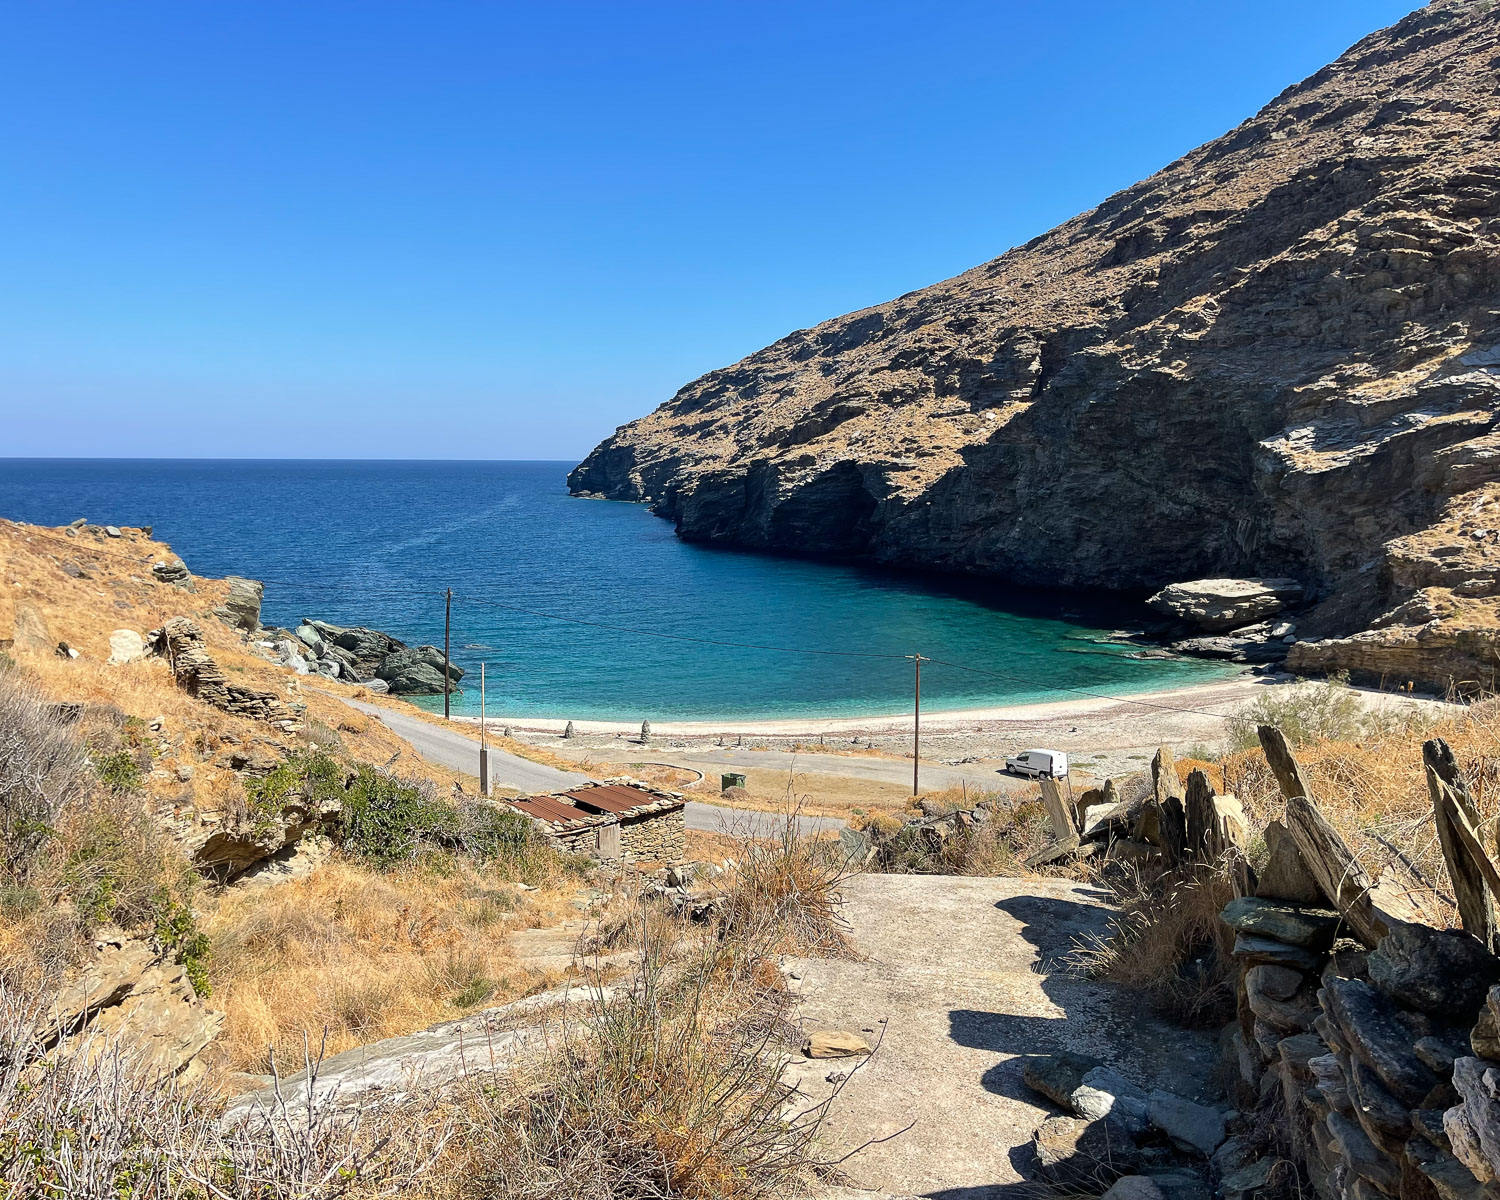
450,748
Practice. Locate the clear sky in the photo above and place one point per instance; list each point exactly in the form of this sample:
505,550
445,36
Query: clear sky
498,230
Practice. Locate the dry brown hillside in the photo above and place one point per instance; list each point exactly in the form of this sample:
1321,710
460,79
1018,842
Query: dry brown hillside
1277,356
178,856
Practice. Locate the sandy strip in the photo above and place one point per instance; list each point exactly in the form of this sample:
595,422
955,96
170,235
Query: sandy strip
1210,700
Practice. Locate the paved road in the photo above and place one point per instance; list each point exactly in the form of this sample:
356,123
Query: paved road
450,748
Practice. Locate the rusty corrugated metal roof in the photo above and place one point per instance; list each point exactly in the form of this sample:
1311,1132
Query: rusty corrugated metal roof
611,797
551,809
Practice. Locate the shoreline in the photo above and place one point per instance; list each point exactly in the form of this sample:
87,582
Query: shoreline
1192,699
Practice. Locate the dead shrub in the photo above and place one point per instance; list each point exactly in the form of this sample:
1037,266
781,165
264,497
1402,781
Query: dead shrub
1168,943
667,1088
100,1125
784,895
43,771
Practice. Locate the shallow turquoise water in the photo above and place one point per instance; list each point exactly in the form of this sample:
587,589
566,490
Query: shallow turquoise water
376,544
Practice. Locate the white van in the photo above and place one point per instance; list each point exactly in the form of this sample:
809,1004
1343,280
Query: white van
1039,764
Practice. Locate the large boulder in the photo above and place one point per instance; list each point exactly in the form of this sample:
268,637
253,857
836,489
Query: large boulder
126,646
1218,604
241,608
417,671
174,573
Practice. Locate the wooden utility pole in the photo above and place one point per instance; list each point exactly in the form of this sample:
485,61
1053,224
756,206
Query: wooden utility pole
447,633
484,749
916,724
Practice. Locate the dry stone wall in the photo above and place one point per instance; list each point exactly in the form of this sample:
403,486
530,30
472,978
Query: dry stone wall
656,837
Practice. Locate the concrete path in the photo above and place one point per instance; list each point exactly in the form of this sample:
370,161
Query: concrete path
963,982
451,748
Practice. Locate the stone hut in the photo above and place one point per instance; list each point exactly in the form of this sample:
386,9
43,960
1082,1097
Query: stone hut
621,820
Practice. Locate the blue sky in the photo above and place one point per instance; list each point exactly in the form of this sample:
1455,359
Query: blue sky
498,230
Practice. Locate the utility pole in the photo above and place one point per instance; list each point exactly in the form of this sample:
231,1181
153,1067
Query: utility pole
484,750
916,723
447,632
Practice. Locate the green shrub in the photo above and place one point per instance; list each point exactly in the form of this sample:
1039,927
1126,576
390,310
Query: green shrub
178,934
386,819
119,771
1327,711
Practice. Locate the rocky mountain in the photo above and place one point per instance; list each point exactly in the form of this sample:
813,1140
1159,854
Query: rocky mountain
1279,356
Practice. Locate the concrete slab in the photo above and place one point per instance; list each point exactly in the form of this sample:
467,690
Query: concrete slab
964,980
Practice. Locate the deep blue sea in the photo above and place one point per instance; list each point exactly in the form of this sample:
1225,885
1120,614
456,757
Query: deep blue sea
376,543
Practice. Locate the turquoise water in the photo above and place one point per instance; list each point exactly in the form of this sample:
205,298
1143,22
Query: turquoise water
377,543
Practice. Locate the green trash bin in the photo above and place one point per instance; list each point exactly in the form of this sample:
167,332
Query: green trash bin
731,779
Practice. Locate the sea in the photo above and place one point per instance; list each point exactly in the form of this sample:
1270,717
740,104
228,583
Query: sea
592,609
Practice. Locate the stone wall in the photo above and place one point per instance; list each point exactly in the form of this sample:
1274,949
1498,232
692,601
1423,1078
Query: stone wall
1384,1063
576,841
654,837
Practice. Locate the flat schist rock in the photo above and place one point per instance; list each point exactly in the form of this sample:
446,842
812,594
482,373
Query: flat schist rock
1273,358
1219,604
492,1040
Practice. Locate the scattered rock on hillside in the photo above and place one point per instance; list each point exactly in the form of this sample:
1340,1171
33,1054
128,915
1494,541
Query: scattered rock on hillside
834,1043
126,646
174,573
1134,1187
1058,1076
241,608
1191,1127
31,632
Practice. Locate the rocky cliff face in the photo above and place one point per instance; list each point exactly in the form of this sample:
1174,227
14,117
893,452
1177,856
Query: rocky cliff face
1278,356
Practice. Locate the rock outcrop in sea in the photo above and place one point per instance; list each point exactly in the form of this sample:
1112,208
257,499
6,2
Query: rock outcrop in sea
1277,357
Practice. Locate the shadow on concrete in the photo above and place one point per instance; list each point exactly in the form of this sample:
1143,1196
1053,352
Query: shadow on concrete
1055,927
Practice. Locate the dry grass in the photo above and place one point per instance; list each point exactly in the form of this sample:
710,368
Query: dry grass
1373,789
361,955
784,896
101,1125
667,1088
1009,831
1169,944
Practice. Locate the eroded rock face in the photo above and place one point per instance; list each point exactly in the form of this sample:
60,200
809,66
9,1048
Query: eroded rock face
241,608
1276,357
129,996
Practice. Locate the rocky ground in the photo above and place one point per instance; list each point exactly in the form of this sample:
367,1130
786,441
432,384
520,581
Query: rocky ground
1275,357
